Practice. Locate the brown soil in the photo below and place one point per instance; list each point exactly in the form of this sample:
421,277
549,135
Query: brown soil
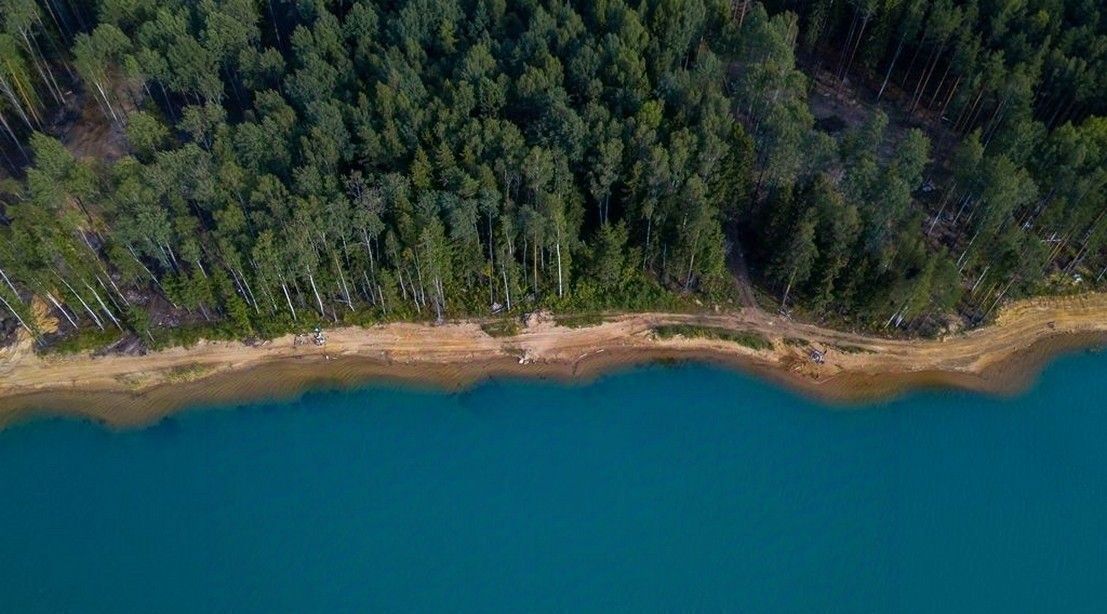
88,133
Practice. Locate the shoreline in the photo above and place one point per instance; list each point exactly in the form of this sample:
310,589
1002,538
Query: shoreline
1003,358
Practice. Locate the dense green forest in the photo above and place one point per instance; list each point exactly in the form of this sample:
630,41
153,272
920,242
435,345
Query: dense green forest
267,165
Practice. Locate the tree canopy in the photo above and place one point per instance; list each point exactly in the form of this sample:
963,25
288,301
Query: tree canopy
289,163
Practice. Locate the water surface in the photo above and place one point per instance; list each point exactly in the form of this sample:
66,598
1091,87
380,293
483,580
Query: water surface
660,489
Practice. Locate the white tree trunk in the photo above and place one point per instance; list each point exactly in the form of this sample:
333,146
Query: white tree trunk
47,80
103,306
9,282
11,133
557,246
16,314
288,298
322,312
249,291
10,93
61,308
91,312
342,278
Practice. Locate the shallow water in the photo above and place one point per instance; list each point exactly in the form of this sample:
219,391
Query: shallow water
659,489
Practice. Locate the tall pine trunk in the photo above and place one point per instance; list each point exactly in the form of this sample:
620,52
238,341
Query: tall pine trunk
891,66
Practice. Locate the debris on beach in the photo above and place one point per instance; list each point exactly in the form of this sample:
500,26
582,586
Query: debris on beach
534,318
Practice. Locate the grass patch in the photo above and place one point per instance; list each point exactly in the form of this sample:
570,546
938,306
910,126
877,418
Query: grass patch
580,320
86,339
690,331
188,335
795,342
508,327
852,349
186,373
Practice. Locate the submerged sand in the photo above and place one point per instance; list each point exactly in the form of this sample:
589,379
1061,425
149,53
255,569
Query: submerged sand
1001,358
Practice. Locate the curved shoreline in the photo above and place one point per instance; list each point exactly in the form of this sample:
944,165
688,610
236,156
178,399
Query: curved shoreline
1003,358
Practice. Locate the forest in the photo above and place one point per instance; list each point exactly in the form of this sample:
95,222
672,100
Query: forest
176,169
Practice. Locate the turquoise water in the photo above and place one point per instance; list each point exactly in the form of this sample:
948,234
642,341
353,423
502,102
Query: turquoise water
661,489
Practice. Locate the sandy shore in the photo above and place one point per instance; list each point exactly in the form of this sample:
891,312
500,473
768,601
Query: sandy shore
123,390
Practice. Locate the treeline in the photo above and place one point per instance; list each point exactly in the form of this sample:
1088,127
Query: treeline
345,160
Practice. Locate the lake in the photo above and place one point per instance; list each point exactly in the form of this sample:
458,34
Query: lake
660,489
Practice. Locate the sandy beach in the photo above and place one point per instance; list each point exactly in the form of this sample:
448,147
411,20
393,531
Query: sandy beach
1001,358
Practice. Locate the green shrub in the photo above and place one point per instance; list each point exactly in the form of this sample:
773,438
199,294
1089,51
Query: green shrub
507,327
690,331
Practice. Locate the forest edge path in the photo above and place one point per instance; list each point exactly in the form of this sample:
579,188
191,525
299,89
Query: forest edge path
1000,357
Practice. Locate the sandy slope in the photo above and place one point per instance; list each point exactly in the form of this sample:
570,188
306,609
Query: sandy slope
126,389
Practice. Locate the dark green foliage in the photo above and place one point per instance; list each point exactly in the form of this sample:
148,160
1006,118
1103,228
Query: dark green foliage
504,327
293,164
146,134
83,341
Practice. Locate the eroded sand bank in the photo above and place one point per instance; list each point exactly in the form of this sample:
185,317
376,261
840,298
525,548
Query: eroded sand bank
123,390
